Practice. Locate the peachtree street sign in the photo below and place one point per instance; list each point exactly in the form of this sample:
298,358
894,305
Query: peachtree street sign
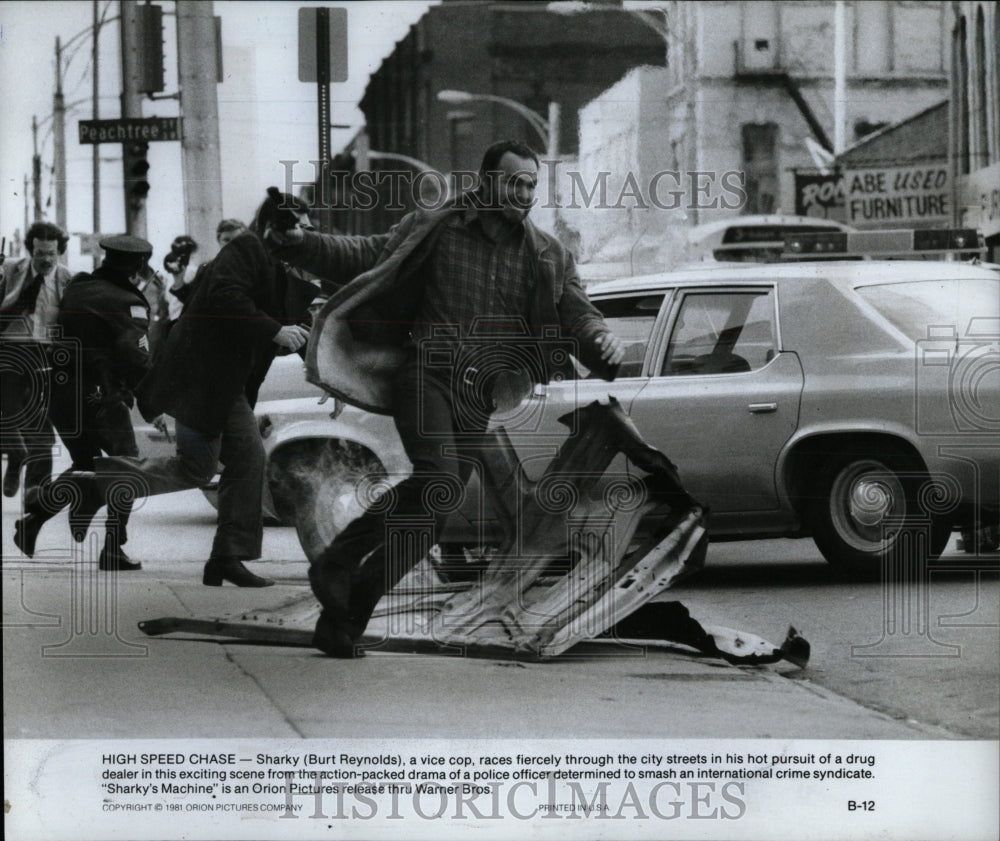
130,129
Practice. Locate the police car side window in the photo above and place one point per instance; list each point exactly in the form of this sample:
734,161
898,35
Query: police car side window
721,332
631,319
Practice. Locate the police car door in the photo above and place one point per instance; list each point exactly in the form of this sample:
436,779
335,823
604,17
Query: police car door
541,423
722,399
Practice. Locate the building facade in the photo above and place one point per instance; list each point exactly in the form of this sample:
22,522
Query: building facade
519,51
749,88
975,119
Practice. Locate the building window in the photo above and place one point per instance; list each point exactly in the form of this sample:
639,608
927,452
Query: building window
760,163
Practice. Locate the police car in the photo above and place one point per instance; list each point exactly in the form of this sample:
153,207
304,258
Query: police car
856,401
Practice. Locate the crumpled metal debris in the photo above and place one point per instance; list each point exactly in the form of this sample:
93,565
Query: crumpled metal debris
672,622
584,554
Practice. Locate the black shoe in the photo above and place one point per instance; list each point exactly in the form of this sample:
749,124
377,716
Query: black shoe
12,478
26,533
218,570
333,640
113,558
91,500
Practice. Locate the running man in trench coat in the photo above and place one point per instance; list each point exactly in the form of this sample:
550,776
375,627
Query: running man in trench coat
437,277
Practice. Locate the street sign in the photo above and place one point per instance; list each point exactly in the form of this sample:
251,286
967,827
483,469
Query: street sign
336,37
130,129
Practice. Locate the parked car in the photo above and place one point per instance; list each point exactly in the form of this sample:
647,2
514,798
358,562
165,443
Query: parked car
854,402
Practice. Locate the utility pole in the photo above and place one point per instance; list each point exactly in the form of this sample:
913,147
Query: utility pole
135,210
839,75
690,14
201,159
59,140
26,203
36,169
323,88
95,161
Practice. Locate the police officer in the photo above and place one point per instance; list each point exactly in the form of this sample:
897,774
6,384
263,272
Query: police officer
109,317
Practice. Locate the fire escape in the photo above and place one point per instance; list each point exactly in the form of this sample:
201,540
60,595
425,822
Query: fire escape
758,61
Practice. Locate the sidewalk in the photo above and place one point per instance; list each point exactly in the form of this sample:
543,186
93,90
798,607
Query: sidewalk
77,666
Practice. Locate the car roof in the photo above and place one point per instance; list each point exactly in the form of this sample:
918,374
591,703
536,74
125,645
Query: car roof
855,273
699,234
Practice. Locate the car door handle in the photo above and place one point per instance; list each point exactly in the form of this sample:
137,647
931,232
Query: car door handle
762,408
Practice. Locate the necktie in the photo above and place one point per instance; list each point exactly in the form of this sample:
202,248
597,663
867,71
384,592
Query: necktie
25,303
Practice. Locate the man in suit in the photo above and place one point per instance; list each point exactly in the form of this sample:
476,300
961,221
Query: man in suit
30,292
107,316
207,378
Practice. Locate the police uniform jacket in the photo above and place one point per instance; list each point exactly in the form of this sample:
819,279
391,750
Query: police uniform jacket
222,345
109,317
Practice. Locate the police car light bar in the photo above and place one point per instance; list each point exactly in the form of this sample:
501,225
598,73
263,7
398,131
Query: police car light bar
913,243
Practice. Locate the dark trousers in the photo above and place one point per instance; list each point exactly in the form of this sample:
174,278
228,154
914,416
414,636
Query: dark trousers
239,447
442,440
26,434
87,431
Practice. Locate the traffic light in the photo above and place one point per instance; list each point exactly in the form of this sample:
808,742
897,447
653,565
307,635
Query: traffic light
149,43
136,171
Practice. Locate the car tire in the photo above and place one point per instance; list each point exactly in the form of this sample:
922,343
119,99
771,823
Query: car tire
325,485
870,513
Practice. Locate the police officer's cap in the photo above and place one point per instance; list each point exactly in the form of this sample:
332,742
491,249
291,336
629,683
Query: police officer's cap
124,246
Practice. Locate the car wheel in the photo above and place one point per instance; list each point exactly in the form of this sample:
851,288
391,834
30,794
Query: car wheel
868,510
324,484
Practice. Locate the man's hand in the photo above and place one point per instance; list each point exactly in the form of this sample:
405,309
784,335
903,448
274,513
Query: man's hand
292,337
280,239
160,423
611,349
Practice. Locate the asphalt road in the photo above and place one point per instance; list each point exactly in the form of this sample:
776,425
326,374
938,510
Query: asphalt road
922,655
924,651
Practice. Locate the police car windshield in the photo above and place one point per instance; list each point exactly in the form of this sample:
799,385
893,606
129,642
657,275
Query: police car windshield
971,305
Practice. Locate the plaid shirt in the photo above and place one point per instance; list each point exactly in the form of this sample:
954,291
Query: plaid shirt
470,276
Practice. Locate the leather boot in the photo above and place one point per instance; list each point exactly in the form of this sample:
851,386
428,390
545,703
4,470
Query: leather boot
26,533
333,638
218,570
113,558
12,478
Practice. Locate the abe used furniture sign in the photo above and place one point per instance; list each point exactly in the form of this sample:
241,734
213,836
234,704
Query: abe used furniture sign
898,197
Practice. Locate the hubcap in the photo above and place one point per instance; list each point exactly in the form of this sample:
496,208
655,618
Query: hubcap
870,502
867,503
